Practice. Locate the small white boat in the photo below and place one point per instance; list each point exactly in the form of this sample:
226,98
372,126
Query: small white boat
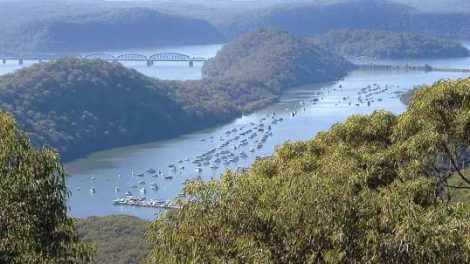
92,190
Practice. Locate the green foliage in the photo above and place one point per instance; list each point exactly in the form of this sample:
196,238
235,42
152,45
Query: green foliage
389,45
434,134
34,226
118,239
358,193
277,59
406,96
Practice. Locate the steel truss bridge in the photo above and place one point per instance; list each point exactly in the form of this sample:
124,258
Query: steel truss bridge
128,57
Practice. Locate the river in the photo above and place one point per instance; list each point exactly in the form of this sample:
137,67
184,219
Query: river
162,70
318,107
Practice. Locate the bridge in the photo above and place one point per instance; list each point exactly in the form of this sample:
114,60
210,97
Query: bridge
128,57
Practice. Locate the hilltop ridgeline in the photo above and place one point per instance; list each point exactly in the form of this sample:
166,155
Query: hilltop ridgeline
318,17
107,29
277,59
388,45
81,106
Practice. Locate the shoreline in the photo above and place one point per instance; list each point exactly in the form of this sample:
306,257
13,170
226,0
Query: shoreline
262,104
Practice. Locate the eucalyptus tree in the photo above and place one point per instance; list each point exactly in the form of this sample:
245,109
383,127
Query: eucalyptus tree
34,226
433,136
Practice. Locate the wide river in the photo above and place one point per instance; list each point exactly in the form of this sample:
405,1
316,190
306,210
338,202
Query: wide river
317,106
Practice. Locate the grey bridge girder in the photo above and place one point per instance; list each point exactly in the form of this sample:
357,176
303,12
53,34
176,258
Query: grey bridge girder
132,57
164,56
170,56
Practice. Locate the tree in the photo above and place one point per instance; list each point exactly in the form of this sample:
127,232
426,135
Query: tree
433,136
347,196
34,226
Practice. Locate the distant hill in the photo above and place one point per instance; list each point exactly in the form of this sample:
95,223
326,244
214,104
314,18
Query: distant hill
307,19
277,59
386,44
319,17
104,30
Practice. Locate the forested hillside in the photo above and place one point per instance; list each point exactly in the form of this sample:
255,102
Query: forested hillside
80,106
319,17
106,29
388,45
117,239
276,58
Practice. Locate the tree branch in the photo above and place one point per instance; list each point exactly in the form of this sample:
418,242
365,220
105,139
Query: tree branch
454,165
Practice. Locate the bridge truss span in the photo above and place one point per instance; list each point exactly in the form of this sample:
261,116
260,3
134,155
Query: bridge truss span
127,57
170,56
132,57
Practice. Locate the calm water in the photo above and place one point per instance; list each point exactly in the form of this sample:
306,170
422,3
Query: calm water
106,166
162,70
318,107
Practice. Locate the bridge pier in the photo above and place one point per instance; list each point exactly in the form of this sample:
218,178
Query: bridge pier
149,63
20,61
191,63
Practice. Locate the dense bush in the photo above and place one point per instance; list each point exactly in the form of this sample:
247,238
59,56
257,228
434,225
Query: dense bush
54,28
277,59
369,190
34,226
318,17
78,105
388,45
117,239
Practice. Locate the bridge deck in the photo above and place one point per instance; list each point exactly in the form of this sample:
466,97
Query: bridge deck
169,56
